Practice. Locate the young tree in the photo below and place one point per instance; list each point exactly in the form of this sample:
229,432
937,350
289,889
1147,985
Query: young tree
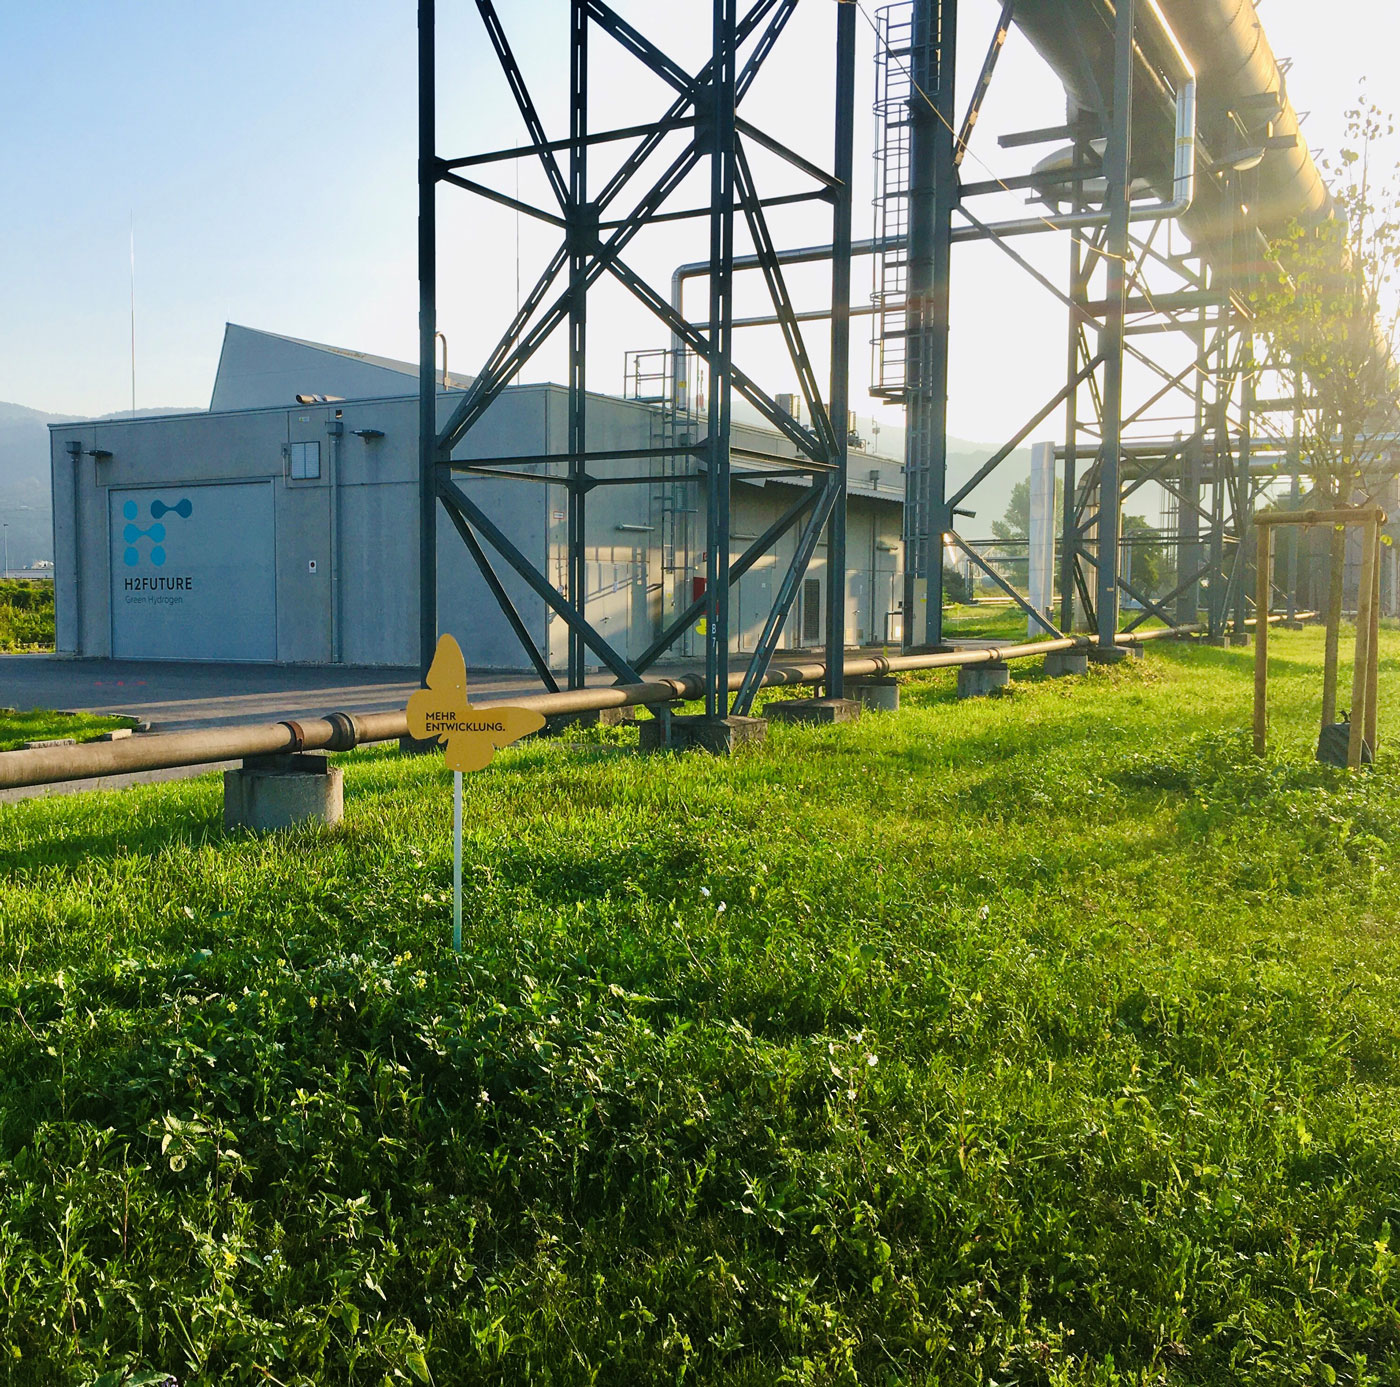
1330,313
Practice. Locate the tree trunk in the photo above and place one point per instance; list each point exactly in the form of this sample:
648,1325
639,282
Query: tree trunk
1335,578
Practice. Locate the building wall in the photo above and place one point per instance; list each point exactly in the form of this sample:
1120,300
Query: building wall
329,563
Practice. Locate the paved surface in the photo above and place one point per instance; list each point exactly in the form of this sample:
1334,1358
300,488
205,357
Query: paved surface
178,697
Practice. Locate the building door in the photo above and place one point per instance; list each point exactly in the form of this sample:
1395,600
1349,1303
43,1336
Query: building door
193,573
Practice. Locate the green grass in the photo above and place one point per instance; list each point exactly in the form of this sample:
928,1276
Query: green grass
1047,1039
42,724
26,614
993,620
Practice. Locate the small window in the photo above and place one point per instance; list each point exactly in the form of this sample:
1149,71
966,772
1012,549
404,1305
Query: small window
306,462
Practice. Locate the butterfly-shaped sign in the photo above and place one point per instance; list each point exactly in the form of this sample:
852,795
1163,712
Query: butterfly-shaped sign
471,736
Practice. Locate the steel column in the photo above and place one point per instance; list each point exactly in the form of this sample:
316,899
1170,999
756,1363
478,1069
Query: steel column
839,395
582,243
427,329
720,113
1078,293
933,193
1244,502
1117,168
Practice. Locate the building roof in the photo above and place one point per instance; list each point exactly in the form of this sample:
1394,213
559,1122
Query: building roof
259,369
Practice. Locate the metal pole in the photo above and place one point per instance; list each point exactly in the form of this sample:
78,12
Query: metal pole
843,167
933,193
1220,409
427,329
457,861
1243,487
1117,168
1069,543
578,233
721,332
1188,528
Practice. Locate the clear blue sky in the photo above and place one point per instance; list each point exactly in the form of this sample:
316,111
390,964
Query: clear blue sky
266,153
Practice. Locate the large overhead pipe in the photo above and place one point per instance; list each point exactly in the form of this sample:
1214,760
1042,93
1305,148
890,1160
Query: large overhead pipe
344,731
1183,192
1241,87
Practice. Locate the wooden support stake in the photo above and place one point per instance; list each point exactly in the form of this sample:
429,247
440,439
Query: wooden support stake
1373,645
1361,667
1263,564
1336,555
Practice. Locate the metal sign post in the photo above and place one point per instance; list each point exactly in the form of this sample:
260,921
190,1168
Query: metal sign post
457,861
470,738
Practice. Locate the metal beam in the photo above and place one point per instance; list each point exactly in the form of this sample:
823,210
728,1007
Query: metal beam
1118,168
497,539
427,336
497,589
844,164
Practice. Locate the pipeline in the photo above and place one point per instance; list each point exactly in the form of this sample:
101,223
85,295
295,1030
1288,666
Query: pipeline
344,731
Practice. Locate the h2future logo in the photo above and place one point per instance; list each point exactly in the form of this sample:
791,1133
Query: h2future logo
155,532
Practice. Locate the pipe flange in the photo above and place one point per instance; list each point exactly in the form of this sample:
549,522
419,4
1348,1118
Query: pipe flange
345,732
298,736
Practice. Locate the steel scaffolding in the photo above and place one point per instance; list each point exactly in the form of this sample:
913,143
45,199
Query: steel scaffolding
600,219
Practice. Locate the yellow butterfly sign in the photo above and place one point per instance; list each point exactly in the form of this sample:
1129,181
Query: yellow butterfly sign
470,735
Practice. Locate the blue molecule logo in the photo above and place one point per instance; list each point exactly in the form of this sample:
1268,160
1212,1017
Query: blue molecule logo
155,532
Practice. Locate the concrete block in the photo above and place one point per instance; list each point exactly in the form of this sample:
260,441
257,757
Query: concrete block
556,723
1112,655
50,741
1059,663
117,734
272,792
718,736
813,710
976,681
879,693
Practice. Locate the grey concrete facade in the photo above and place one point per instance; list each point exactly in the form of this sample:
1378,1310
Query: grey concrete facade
283,533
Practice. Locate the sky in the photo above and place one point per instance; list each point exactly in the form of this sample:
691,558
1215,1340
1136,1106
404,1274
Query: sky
262,158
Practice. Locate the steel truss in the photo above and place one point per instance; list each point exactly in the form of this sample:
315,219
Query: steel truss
599,221
1127,291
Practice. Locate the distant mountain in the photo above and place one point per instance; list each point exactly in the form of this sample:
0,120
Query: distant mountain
24,482
25,504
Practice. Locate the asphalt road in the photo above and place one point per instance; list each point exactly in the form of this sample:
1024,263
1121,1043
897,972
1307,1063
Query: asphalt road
179,697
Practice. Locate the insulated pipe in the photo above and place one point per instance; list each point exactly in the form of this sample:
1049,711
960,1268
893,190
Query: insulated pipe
1183,162
343,731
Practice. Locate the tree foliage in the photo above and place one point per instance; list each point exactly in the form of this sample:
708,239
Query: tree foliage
1328,308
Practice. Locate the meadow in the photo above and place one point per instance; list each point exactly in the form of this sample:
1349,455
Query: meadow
1048,1039
26,614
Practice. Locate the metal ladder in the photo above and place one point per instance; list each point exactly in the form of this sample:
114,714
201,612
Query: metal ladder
895,60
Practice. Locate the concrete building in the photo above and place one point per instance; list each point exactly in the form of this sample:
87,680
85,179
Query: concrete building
270,530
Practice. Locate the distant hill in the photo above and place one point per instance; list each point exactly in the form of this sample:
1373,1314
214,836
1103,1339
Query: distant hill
24,482
25,504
